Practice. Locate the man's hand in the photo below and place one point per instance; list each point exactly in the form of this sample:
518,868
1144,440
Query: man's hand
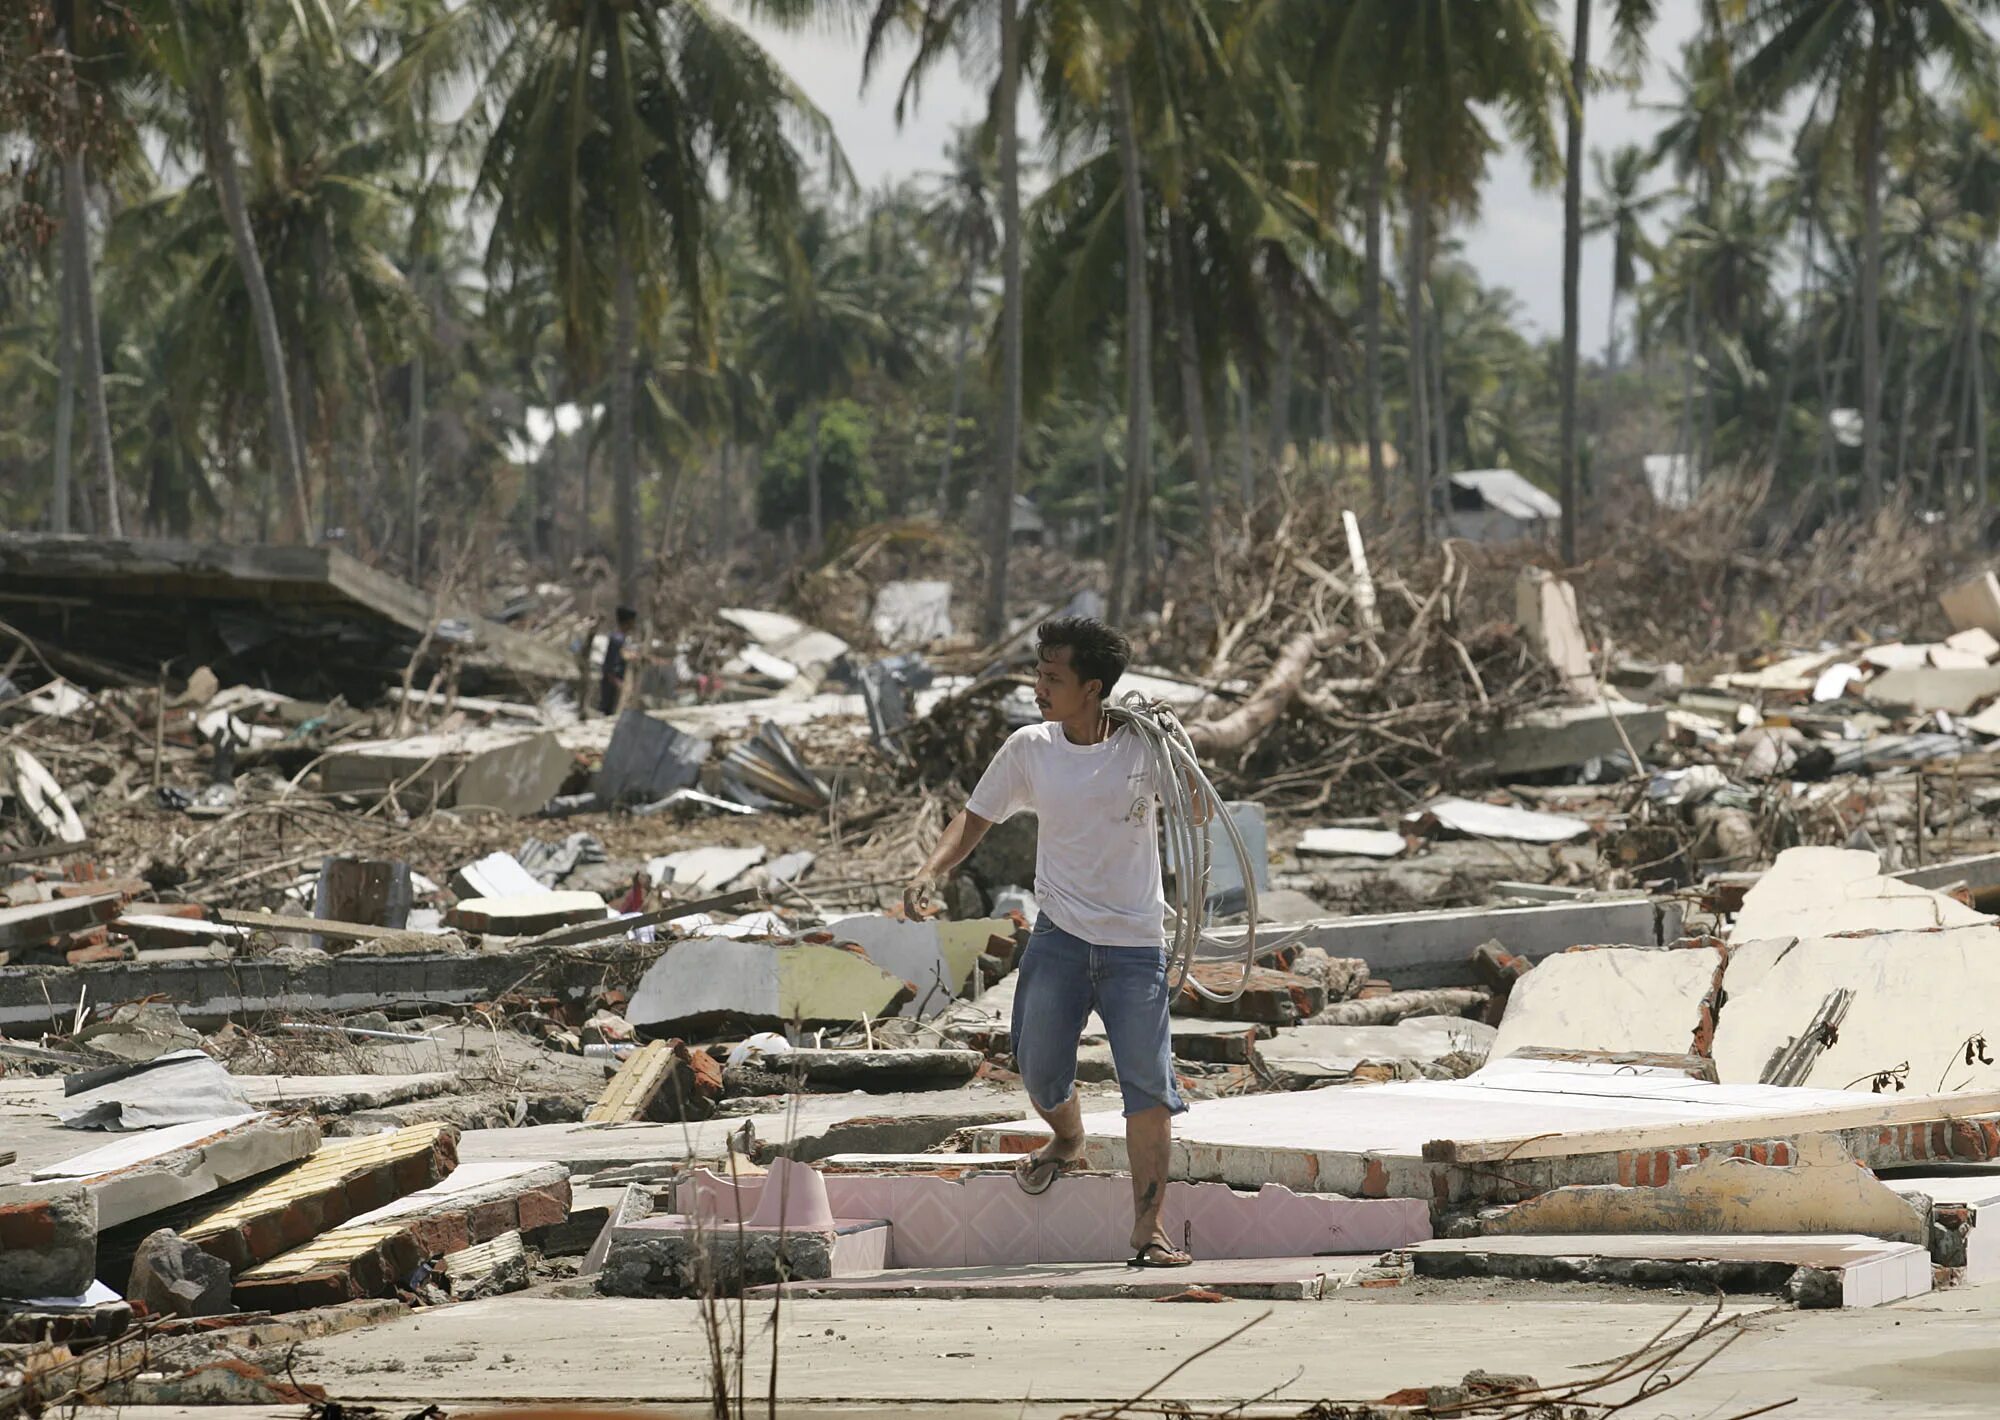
920,897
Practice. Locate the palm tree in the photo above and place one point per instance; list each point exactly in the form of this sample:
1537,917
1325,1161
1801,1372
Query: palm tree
1629,19
1619,210
942,26
610,117
812,326
1875,57
207,41
961,217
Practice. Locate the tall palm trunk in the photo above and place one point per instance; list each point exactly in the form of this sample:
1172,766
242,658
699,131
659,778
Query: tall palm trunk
1871,278
1194,407
1579,76
219,156
1779,436
815,507
624,453
1138,352
1007,451
418,414
373,420
60,495
1278,438
957,391
1420,425
1979,412
1371,303
76,258
1611,334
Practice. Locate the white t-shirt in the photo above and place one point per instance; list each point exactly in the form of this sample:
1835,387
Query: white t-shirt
1097,855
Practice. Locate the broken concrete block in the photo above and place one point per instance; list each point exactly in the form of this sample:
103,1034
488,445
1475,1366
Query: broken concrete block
1545,606
1503,821
703,984
1563,736
937,958
1926,689
485,1200
495,875
1270,997
1975,641
527,915
1616,998
1974,604
1811,892
1823,1190
663,1081
174,1277
142,1030
156,1169
487,1269
342,1266
670,1256
1315,1053
345,1177
1922,1000
512,771
647,760
33,923
48,1240
1831,1270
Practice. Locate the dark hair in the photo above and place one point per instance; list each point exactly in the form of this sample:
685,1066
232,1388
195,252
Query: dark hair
626,614
1096,652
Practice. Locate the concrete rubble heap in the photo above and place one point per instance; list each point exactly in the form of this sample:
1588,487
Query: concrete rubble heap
349,994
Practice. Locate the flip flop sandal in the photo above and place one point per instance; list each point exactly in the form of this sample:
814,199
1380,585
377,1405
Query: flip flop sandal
1159,1255
1038,1172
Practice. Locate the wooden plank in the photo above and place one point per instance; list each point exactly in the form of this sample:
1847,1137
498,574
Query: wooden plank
631,1090
619,926
304,926
1870,1113
45,850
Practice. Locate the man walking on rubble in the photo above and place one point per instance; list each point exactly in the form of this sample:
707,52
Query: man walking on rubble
1100,942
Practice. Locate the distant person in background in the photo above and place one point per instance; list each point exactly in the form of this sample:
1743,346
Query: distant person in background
611,691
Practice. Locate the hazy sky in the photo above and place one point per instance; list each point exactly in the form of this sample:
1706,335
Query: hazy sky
1517,241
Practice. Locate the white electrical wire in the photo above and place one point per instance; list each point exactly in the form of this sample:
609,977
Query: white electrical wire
1180,778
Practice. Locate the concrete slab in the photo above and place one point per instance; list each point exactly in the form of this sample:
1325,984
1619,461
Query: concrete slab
650,1352
1821,1190
1920,997
1503,821
1420,950
936,957
1812,892
526,915
1922,690
1867,1272
149,1172
1616,998
713,982
1331,1052
1352,843
702,872
513,771
1403,1140
1254,1279
1563,736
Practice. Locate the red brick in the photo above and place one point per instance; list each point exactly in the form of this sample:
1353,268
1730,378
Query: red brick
447,1232
369,1191
189,911
484,1221
27,1226
1781,1155
1625,1176
1375,1180
544,1208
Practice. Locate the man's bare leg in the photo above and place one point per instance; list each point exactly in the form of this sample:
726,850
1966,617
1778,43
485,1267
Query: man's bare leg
1149,1143
1066,1119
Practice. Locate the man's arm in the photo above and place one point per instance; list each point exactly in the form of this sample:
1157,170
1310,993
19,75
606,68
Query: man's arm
960,837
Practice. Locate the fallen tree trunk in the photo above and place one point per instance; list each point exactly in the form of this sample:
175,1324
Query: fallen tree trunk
1266,702
1401,1005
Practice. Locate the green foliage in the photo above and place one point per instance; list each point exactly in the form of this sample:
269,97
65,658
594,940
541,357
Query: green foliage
847,471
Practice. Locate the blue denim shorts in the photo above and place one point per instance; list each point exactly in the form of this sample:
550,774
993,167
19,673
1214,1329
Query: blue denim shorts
1062,980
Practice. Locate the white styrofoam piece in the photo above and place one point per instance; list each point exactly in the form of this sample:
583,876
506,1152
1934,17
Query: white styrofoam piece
1479,820
1353,842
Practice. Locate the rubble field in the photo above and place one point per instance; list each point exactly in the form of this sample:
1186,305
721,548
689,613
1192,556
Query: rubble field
382,1029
